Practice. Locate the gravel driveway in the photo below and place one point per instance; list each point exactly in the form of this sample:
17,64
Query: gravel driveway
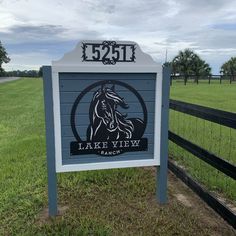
7,79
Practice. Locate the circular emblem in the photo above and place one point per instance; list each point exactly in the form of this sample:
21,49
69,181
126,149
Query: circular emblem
109,132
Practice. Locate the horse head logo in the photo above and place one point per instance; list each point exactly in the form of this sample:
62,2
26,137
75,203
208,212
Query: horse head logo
106,122
109,131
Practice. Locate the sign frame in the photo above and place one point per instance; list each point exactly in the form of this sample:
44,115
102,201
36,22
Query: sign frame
114,164
61,67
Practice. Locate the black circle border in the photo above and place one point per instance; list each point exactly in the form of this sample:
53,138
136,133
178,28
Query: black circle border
103,82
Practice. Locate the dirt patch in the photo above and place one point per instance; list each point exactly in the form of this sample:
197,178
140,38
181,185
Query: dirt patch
183,199
208,217
44,214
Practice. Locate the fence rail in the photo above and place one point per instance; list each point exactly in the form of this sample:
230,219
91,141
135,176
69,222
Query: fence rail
217,116
210,158
223,118
208,78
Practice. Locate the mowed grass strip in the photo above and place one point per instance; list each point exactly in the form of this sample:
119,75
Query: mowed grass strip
216,138
111,202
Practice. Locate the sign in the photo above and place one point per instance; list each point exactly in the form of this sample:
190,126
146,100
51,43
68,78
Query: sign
107,97
105,108
108,52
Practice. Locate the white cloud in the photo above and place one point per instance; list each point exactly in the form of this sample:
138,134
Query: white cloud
155,25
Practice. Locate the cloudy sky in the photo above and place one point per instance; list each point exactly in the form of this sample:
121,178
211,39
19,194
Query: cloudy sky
37,32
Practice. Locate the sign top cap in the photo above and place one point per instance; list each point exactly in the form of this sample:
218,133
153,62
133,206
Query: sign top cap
106,53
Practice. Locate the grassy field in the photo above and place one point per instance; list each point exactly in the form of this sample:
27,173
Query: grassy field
113,202
213,137
215,95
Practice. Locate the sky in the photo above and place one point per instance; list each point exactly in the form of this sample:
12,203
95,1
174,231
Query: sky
36,32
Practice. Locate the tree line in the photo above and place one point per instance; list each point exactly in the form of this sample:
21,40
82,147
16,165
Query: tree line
186,64
20,73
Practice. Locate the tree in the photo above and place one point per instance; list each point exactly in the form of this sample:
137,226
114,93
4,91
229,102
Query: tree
229,68
3,57
183,63
200,68
188,63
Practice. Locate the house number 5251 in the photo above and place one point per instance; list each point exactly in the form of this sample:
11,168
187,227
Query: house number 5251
108,52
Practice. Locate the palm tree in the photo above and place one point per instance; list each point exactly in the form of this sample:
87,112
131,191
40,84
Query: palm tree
229,68
183,63
200,68
188,63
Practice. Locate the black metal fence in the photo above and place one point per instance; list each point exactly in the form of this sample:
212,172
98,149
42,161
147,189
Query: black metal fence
203,79
203,154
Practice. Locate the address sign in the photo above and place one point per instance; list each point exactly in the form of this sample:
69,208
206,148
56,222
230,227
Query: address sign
108,52
106,106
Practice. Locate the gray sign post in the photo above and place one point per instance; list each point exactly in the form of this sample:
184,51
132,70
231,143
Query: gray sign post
106,106
50,143
162,170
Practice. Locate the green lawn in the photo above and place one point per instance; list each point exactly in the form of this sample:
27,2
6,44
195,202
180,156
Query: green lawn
111,202
215,95
213,137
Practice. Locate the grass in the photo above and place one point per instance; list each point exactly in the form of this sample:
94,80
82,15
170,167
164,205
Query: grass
213,137
111,202
215,95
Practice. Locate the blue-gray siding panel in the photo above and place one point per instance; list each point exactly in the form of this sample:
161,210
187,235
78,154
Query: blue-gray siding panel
69,97
65,119
66,130
123,157
79,85
83,108
71,85
108,76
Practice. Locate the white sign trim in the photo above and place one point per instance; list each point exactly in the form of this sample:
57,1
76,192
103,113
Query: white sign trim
131,68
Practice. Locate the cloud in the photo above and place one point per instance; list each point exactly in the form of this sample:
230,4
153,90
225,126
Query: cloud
29,33
209,27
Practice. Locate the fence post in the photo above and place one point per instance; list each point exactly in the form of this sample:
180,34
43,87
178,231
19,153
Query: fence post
162,170
49,123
